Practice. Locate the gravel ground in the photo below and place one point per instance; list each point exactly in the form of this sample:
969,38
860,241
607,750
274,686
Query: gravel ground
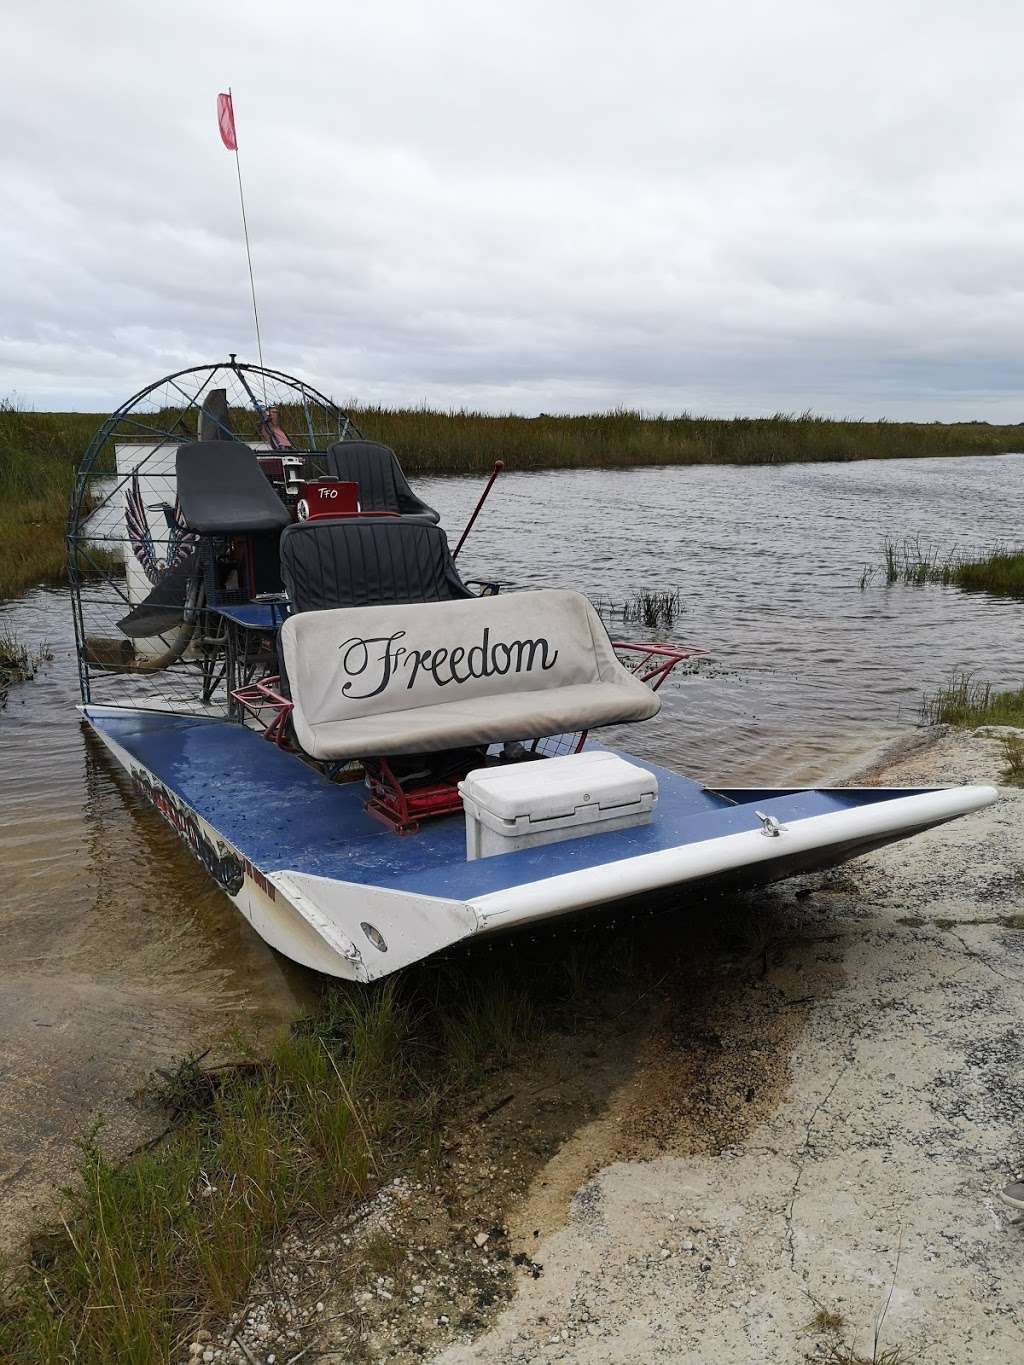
791,1143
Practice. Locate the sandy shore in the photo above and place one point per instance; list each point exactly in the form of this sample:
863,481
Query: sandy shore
869,1191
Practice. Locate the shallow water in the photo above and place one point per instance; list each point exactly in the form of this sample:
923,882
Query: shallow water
119,951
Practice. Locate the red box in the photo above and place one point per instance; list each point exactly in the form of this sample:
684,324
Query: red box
327,498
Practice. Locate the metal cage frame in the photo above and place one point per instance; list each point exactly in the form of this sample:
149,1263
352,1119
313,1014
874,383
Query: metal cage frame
165,413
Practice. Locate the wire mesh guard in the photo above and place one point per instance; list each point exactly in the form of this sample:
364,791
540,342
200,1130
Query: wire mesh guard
164,618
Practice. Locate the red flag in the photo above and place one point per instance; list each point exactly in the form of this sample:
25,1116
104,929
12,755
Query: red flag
226,122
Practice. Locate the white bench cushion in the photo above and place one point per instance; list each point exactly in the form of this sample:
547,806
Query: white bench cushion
369,682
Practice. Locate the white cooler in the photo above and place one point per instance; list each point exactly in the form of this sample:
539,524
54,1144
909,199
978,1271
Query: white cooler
521,805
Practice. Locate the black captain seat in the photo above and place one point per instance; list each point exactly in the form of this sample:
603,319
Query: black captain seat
224,492
228,501
367,561
383,486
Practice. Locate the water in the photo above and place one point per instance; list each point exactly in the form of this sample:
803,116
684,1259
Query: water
119,951
812,673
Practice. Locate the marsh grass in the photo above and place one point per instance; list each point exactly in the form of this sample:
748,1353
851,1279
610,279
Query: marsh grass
656,610
908,560
462,441
14,656
18,663
968,702
150,1247
494,1021
381,1081
1001,573
1013,757
179,1230
38,453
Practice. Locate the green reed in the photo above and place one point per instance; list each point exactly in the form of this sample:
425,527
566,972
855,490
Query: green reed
462,441
1013,756
968,701
909,560
18,663
652,608
150,1247
38,454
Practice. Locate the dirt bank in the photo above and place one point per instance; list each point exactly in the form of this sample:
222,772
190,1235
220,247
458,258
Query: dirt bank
782,1123
873,1181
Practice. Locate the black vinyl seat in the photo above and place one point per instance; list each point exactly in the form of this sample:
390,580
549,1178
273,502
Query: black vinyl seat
371,561
224,492
383,486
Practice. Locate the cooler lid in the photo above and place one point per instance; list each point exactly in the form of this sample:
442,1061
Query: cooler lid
552,787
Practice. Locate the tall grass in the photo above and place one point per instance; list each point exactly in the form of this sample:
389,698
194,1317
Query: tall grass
1013,756
463,441
151,1247
1001,572
38,454
909,560
18,663
654,608
967,701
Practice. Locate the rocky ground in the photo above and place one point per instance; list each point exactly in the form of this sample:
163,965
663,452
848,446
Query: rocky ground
787,1147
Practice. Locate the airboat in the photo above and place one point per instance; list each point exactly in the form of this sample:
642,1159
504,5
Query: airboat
375,758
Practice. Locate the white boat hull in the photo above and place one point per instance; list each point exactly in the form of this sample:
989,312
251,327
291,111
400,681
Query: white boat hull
386,904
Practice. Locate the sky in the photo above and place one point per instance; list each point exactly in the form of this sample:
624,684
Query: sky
568,206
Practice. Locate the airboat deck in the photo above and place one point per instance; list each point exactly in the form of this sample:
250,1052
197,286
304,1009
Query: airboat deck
332,887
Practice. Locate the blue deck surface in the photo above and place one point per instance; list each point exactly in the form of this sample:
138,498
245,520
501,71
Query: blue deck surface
282,815
256,615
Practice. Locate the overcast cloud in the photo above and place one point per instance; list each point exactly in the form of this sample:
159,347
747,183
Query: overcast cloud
728,208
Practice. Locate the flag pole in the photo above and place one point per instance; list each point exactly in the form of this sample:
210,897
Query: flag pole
245,231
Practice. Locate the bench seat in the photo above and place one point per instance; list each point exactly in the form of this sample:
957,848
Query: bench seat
374,682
